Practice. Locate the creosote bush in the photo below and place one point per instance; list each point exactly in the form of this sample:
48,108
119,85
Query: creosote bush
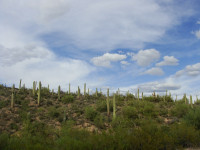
67,99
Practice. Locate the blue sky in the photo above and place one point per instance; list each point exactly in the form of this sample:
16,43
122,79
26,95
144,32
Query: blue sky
148,44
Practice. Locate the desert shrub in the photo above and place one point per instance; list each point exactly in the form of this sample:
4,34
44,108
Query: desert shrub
193,117
53,112
129,112
99,121
184,135
101,105
179,110
67,99
90,113
3,104
152,98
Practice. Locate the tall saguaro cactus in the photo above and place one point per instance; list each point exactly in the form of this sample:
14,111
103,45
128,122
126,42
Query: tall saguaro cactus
69,88
138,94
59,92
107,101
185,98
12,96
39,93
84,89
142,96
191,101
20,84
88,91
34,88
96,92
114,108
78,92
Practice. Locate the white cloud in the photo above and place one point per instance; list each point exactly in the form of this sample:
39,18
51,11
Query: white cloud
190,70
106,59
11,56
93,25
146,57
124,63
197,34
158,86
155,71
198,22
168,61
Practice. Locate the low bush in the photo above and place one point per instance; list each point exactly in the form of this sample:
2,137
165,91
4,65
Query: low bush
90,113
67,99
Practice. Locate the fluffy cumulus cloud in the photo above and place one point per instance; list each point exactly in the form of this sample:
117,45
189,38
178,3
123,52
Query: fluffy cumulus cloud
155,71
106,59
190,70
93,25
124,62
146,57
168,61
197,34
158,86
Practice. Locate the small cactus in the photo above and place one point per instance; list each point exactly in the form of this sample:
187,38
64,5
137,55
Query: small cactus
107,101
114,108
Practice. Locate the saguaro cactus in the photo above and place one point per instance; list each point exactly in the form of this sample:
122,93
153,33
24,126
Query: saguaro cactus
185,98
59,92
88,91
34,88
96,92
138,94
114,107
191,101
48,87
84,89
78,92
12,96
197,98
39,93
142,96
52,91
69,88
20,84
176,98
107,101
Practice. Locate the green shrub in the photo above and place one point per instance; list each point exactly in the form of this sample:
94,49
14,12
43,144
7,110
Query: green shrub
53,112
101,106
67,99
90,113
180,110
130,112
193,117
99,121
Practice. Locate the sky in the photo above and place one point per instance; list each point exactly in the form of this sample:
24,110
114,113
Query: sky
153,45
